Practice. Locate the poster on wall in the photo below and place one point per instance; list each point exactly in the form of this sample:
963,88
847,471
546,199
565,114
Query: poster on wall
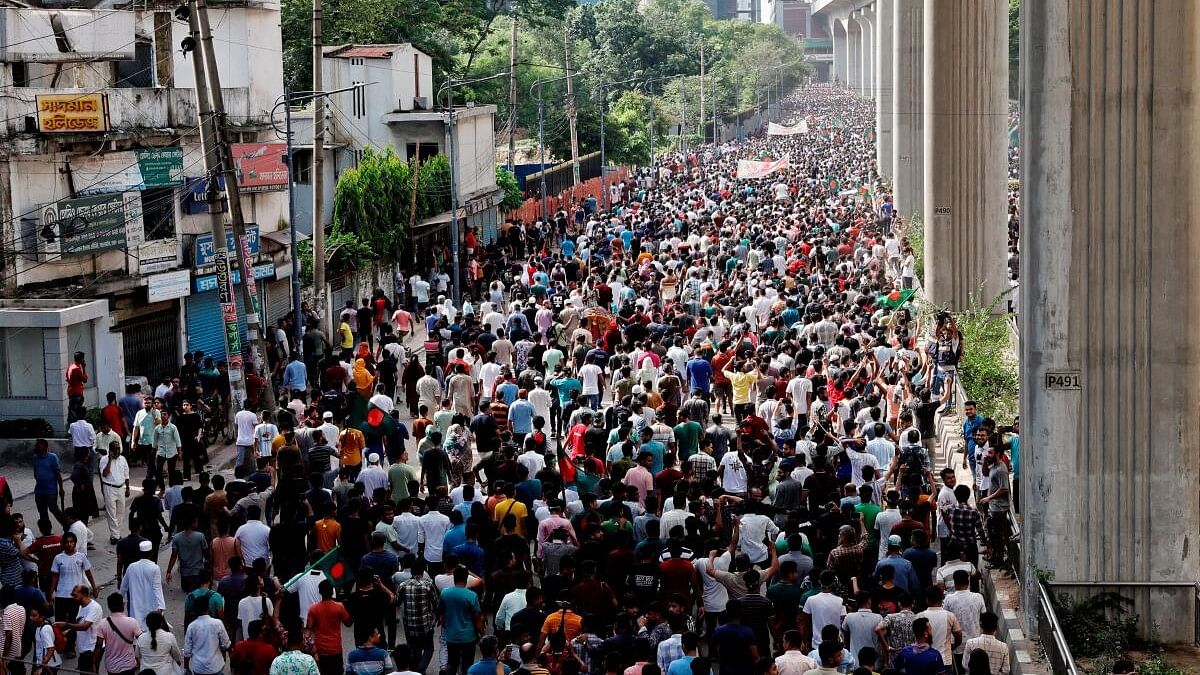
91,224
105,173
160,167
261,167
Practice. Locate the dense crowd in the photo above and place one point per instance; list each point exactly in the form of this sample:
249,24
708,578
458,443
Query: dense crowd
686,431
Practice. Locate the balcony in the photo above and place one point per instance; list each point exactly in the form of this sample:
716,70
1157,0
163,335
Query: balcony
129,109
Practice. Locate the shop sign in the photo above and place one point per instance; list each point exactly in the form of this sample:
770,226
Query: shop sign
91,224
261,167
108,172
205,250
161,167
72,113
208,282
169,286
158,255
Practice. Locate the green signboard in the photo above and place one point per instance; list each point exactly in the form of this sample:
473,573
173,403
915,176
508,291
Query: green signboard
90,224
161,167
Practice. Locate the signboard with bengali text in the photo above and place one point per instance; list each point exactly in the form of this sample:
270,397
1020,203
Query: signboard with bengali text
72,113
261,167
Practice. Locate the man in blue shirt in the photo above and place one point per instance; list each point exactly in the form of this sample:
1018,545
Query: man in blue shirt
520,416
699,373
488,658
462,621
970,424
653,447
906,576
295,377
369,658
920,658
48,481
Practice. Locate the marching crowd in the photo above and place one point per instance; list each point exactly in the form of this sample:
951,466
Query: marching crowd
684,432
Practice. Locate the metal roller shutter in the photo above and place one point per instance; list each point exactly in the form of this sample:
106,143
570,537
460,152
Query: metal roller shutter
279,300
205,329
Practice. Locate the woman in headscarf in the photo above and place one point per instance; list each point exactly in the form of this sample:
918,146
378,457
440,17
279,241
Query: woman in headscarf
364,387
413,371
458,446
364,352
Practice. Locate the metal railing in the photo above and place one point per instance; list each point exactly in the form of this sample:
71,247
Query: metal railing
1050,631
1146,623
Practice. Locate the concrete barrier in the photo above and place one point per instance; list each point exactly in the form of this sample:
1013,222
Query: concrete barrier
19,451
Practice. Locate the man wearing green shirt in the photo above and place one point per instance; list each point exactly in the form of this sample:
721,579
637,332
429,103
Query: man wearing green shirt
166,446
399,474
869,510
687,436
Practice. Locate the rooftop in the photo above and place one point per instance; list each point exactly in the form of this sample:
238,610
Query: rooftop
364,51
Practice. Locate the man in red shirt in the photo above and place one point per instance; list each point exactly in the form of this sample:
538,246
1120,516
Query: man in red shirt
255,654
325,620
77,377
111,413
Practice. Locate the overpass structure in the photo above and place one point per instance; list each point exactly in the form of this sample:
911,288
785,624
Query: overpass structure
1110,199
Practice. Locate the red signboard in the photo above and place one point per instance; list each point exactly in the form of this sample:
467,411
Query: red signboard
261,167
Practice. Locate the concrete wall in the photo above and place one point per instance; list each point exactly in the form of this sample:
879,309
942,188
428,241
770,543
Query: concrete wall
1109,182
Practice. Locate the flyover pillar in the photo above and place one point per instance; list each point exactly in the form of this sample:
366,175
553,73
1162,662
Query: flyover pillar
1110,189
884,56
965,93
908,146
865,18
854,53
837,29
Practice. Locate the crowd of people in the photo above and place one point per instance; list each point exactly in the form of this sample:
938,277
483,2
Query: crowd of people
684,432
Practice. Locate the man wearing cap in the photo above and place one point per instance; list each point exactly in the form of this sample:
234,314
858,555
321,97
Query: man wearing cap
906,576
373,477
142,585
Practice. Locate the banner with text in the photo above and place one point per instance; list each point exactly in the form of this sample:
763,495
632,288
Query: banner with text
748,168
774,129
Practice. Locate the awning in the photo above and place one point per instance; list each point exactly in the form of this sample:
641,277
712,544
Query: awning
281,240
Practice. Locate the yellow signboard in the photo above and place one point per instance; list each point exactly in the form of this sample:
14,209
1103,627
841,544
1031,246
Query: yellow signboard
72,113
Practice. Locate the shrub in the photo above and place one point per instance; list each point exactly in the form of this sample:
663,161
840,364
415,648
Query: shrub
26,428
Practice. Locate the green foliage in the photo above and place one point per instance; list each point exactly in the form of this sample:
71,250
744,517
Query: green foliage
26,428
372,201
989,373
344,253
1157,665
512,190
433,187
916,239
630,117
1097,626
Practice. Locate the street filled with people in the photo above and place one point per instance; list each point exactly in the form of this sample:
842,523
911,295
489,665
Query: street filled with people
686,428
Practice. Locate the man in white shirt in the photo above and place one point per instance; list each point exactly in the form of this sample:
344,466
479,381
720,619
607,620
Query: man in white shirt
408,528
434,525
245,422
943,624
142,586
887,519
307,587
793,661
83,434
251,541
114,483
967,606
533,460
264,436
84,626
823,609
733,473
755,529
592,377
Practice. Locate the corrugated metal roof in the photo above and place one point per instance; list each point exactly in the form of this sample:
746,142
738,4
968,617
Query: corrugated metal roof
365,51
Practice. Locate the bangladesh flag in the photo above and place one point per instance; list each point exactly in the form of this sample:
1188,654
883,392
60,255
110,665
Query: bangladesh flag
833,185
334,567
894,299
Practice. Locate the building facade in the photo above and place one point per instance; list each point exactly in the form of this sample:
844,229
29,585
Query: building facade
101,169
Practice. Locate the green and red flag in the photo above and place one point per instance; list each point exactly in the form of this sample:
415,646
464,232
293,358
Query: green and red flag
334,567
833,184
895,299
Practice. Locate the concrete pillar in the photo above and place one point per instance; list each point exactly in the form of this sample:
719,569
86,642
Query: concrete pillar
865,18
854,54
1110,188
908,145
837,29
884,55
966,160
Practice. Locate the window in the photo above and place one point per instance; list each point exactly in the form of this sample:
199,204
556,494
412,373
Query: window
140,71
22,363
304,161
359,99
158,213
426,151
20,74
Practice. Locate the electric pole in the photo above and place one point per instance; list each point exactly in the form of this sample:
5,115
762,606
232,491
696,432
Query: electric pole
255,314
603,158
512,95
542,145
456,263
714,100
318,172
701,119
212,169
572,111
737,109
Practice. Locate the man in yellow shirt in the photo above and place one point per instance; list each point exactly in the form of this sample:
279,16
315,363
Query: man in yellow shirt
345,337
742,377
510,505
350,446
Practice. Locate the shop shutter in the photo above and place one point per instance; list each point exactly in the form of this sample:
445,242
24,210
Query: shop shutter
205,329
279,300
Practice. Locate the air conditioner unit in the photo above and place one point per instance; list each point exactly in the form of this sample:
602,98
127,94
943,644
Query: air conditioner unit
421,102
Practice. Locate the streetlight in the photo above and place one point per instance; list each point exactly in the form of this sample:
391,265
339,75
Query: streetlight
542,138
287,100
448,87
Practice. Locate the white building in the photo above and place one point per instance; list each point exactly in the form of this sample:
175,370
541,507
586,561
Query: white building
100,169
400,106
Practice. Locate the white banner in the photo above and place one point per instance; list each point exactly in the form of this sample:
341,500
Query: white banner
747,168
774,129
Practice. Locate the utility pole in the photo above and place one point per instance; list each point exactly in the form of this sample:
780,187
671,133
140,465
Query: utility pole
682,118
542,145
714,100
512,95
297,315
212,169
701,119
318,171
651,134
255,315
456,264
603,158
572,110
737,108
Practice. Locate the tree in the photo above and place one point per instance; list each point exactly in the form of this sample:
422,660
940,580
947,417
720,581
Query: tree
433,187
513,199
371,202
630,117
